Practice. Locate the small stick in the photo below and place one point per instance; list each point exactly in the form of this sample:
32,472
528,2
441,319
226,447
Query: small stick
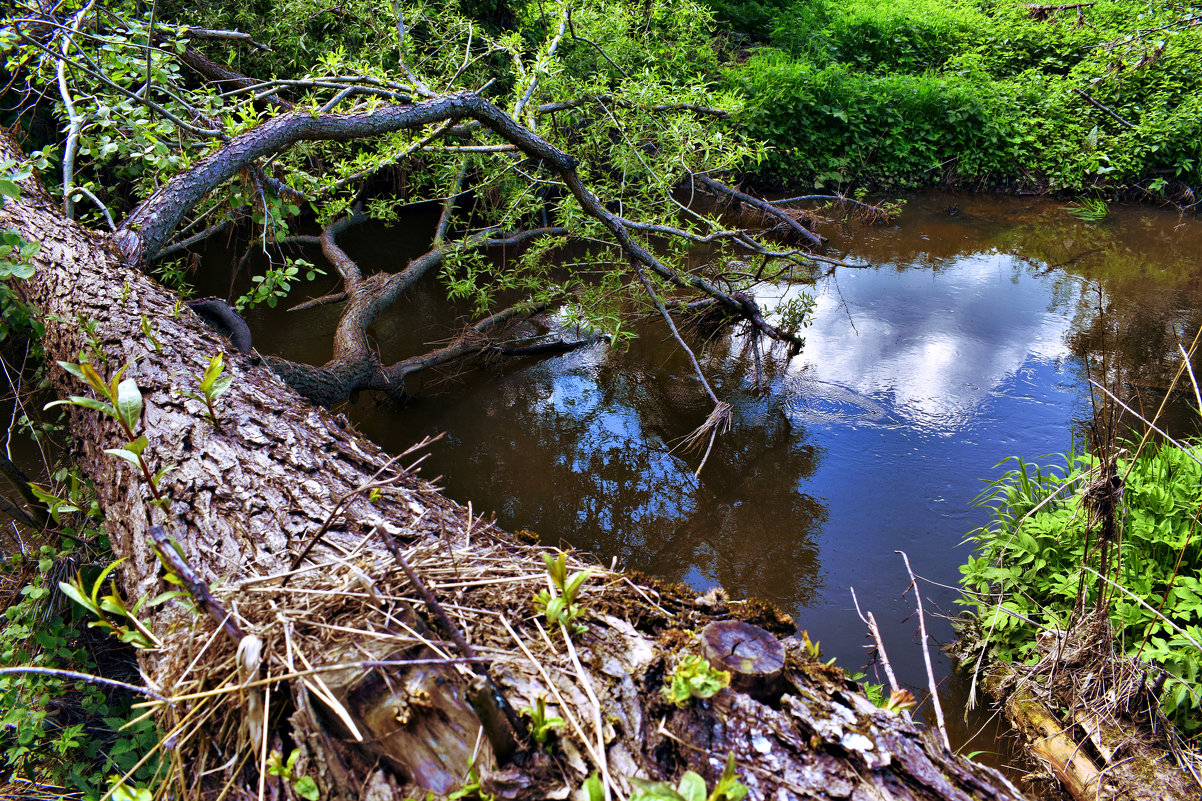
71,674
926,655
375,482
596,706
448,625
870,622
457,637
563,705
263,747
197,588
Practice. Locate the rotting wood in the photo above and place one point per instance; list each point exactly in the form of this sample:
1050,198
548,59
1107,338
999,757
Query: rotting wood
1120,746
247,495
1051,742
754,658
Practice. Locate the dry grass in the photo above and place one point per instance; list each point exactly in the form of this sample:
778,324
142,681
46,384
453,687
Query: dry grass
345,617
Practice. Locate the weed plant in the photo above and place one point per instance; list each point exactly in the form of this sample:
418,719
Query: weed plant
1027,570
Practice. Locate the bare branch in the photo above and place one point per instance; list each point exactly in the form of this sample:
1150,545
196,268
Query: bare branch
564,20
108,218
418,85
183,245
74,118
761,205
324,300
213,33
218,73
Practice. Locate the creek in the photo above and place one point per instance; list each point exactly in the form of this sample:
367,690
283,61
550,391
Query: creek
966,341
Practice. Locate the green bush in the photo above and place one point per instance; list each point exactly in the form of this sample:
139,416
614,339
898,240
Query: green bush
910,92
1029,558
855,128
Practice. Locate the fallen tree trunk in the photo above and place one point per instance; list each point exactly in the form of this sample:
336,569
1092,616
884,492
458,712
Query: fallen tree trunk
377,627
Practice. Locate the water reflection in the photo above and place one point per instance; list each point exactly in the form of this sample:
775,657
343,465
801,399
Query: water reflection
581,449
932,344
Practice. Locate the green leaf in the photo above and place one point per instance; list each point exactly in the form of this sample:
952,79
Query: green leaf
654,791
573,585
121,453
103,575
116,379
87,403
159,476
221,385
594,788
306,788
211,372
138,445
729,788
73,369
129,402
73,592
691,787
555,609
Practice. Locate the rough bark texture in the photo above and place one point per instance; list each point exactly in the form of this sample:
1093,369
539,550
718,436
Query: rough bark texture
249,494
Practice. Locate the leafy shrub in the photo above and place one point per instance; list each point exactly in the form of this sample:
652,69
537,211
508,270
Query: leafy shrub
1027,567
909,92
855,128
64,732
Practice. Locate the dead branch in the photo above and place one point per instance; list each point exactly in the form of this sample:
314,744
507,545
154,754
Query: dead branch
763,206
926,654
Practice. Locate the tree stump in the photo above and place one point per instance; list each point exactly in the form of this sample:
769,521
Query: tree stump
753,656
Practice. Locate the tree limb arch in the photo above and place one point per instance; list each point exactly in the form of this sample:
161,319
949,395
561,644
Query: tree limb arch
150,225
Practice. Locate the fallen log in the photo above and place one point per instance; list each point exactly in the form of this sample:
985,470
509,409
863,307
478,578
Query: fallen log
344,658
1093,719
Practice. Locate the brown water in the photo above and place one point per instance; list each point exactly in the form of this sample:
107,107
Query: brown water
964,343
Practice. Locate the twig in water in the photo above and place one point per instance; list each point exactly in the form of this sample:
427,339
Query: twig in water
719,419
926,655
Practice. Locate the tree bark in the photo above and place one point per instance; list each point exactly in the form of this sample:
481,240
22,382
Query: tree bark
251,493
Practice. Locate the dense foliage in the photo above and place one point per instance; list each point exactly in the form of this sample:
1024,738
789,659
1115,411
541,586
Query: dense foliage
626,89
1027,573
60,731
976,92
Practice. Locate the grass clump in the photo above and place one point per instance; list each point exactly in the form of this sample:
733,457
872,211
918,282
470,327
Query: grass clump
1034,567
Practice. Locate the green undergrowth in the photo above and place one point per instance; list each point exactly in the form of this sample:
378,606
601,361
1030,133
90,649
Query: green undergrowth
59,735
1026,574
908,92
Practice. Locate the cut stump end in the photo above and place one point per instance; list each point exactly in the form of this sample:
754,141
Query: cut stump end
754,658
